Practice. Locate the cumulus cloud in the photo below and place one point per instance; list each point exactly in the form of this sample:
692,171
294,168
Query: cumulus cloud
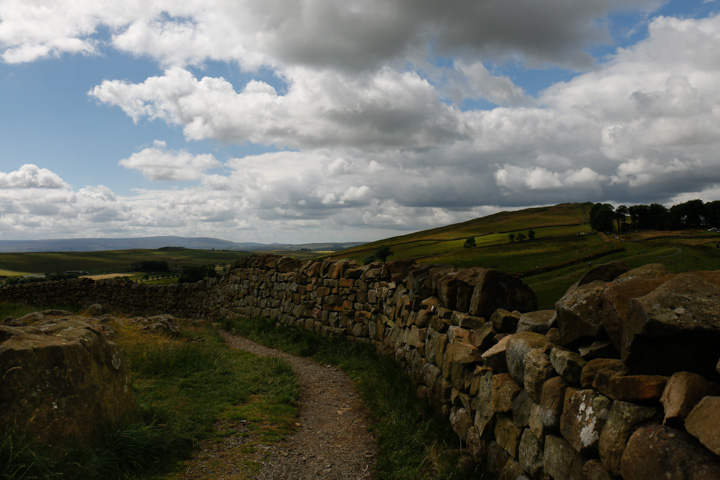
354,35
157,163
386,108
31,176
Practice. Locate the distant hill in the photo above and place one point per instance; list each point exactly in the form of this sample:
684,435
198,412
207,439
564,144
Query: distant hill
200,243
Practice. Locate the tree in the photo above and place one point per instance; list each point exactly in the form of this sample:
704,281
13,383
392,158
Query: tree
531,234
602,216
383,252
150,266
195,273
621,214
470,243
512,238
520,237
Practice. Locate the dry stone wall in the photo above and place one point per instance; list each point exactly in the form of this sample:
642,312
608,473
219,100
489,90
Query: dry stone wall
619,381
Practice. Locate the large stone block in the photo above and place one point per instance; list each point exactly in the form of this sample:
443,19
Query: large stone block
530,452
495,289
539,322
507,434
624,419
569,365
504,391
703,423
519,345
579,313
617,296
538,370
63,383
561,461
682,392
675,327
552,400
659,451
584,415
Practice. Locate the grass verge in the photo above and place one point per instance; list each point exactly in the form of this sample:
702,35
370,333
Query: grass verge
414,442
186,386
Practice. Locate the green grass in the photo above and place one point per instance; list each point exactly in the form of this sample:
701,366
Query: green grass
184,385
110,261
413,442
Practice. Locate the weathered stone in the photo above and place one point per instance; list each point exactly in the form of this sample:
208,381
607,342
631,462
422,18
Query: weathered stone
521,407
538,370
467,321
507,434
504,321
659,451
462,353
94,310
539,322
675,327
637,388
561,461
504,391
63,383
703,423
579,313
682,392
606,272
417,336
617,296
494,357
519,345
483,337
598,349
624,419
593,470
513,471
162,323
535,422
567,364
530,452
495,289
583,417
598,372
447,290
551,402
461,421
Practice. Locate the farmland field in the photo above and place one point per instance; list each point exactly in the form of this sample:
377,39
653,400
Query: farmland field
114,261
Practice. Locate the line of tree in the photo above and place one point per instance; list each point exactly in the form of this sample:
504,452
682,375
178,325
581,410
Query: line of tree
690,214
150,266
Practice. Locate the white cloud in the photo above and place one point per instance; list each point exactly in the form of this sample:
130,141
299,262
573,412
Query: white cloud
31,176
156,163
386,108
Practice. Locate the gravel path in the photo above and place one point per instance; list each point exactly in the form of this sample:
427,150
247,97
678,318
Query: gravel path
332,441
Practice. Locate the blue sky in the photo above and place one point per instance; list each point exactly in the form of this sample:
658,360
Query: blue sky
316,120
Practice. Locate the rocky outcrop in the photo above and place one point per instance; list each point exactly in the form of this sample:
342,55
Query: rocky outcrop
580,391
63,382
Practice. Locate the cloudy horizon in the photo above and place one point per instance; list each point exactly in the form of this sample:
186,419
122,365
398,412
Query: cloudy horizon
317,120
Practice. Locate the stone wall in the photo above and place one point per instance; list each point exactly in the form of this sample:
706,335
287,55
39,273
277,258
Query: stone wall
619,381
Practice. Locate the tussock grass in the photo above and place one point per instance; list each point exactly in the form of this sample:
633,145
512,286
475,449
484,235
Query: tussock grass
414,442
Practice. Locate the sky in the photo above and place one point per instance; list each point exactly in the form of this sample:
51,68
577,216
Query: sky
299,121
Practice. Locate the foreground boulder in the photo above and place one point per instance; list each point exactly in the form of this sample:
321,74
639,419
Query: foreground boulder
63,383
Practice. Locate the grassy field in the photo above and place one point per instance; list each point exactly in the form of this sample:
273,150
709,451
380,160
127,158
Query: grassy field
108,261
564,244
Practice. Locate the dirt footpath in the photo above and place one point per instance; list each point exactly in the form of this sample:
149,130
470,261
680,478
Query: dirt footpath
332,441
